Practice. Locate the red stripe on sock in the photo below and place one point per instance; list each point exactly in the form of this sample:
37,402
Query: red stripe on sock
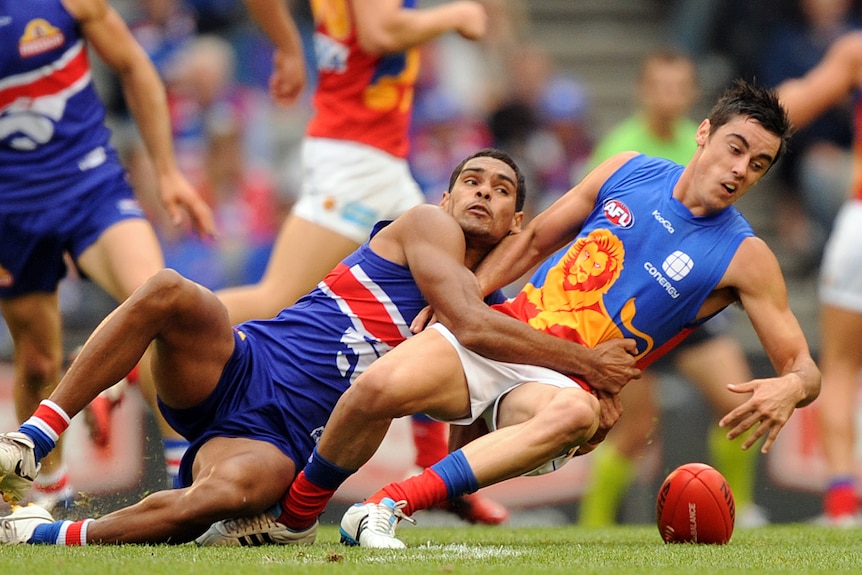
173,462
55,487
303,503
73,533
52,418
420,491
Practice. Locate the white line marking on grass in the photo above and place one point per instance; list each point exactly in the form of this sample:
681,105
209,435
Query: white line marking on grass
430,551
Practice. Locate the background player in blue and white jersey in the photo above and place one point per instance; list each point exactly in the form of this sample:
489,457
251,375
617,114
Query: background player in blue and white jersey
62,188
254,399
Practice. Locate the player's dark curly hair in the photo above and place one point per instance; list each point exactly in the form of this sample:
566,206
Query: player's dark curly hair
760,104
520,192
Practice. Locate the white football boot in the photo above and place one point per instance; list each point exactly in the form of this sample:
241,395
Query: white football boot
18,466
20,525
261,529
373,524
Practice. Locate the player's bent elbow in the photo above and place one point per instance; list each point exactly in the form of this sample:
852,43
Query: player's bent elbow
812,392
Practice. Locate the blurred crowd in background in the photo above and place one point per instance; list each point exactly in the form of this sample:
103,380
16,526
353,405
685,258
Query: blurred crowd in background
505,91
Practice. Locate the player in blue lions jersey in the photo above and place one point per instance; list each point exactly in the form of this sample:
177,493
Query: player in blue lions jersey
253,399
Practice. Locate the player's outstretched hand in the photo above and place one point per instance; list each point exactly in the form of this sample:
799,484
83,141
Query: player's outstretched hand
614,366
178,195
771,404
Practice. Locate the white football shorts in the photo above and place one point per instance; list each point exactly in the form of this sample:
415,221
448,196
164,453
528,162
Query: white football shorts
489,380
348,187
841,269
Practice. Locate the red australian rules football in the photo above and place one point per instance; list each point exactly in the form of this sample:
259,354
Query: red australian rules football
695,505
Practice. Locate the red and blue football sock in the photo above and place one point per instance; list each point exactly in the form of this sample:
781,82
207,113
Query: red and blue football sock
45,426
174,449
451,477
61,533
841,499
309,493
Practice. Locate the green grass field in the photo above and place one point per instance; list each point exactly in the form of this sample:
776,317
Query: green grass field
789,548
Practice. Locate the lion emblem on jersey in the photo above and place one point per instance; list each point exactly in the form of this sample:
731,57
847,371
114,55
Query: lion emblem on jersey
573,292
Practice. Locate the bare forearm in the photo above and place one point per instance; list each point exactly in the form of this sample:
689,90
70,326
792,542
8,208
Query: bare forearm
607,367
503,338
507,262
409,28
277,23
401,29
146,98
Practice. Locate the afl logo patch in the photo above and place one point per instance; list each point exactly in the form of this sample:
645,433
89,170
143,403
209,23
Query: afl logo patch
619,214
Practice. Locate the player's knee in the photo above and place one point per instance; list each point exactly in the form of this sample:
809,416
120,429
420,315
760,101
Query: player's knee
39,370
161,292
572,416
585,411
38,361
165,282
377,392
230,490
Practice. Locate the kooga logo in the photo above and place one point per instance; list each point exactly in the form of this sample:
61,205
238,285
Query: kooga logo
663,221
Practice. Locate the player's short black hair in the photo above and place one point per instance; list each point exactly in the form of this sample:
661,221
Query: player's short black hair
760,104
520,192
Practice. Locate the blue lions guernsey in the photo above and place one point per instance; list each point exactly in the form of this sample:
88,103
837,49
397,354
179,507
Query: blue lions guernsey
287,373
641,266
